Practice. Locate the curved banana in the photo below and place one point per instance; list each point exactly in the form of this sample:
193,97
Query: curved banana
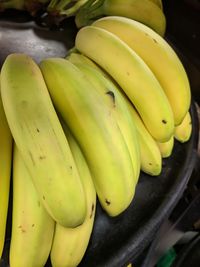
159,56
144,11
114,99
41,141
5,172
151,161
183,131
69,244
96,130
133,76
166,148
32,227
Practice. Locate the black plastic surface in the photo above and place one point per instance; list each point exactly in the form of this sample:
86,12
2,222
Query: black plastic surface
189,255
114,241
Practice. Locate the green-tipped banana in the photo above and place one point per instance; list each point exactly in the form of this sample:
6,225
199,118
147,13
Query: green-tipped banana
69,244
114,99
41,141
166,148
183,131
151,161
5,172
133,76
96,130
32,227
144,11
160,58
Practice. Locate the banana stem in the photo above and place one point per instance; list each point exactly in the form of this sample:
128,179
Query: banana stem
52,4
89,12
74,9
64,4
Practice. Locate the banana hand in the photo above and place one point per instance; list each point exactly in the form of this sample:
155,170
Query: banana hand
155,51
41,141
133,76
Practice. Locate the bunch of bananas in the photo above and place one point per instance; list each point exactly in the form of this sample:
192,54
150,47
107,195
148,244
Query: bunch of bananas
82,126
149,12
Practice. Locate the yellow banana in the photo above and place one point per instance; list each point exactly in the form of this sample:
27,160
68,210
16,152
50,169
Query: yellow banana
133,76
150,157
69,244
183,131
166,148
96,130
5,172
144,11
159,56
41,141
151,161
32,227
118,108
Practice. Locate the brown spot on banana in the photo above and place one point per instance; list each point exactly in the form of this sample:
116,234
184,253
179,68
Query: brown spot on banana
92,210
42,157
107,202
112,95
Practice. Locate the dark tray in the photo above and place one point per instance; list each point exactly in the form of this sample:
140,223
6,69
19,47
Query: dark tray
189,254
114,241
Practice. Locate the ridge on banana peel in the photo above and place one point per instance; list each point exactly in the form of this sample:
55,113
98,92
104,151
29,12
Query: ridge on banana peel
5,172
114,99
145,11
96,130
69,244
133,76
158,55
166,148
32,227
41,141
183,131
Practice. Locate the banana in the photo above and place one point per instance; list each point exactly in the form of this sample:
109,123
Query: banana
96,130
151,161
41,141
144,11
133,76
158,3
69,244
166,148
32,227
118,108
5,172
159,56
183,131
